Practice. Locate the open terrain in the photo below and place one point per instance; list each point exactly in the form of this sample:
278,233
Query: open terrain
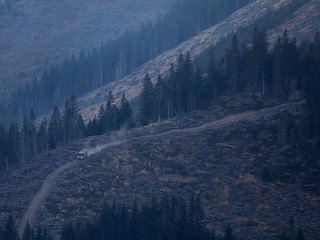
221,153
37,34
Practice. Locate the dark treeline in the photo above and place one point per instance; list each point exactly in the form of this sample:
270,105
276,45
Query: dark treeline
9,232
276,73
19,145
117,58
171,218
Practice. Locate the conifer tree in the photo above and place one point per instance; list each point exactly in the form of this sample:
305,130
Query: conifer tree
125,112
159,99
316,50
300,235
10,231
70,118
171,93
112,113
188,84
55,129
180,84
259,59
199,87
27,234
42,137
146,103
102,119
228,234
232,65
278,72
13,144
25,151
80,127
3,147
32,133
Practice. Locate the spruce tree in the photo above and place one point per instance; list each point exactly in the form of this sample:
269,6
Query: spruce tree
25,147
27,234
3,146
125,112
32,133
228,234
188,87
300,235
159,99
80,127
70,118
146,103
102,119
232,65
42,137
199,87
259,60
13,144
55,129
112,113
10,231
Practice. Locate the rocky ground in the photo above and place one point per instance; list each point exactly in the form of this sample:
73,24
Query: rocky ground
244,176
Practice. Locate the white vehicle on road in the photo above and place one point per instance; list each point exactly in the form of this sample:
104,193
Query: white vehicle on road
82,154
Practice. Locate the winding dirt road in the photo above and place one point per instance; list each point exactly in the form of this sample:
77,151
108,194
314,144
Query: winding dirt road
47,185
232,119
49,181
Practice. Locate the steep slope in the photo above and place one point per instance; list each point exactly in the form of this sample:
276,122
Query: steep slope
131,85
218,154
37,34
304,23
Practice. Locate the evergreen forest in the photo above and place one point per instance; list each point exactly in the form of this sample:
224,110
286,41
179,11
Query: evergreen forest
115,59
276,73
170,218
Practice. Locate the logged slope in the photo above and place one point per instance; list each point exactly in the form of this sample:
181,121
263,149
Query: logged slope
131,84
48,184
218,159
36,34
303,23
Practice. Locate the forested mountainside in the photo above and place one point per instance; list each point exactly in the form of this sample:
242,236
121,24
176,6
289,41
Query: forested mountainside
115,59
218,137
37,34
214,40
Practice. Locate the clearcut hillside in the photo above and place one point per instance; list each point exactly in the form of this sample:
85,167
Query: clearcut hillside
303,24
229,154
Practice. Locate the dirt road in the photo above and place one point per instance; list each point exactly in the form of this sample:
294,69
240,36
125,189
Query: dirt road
47,185
51,178
234,118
